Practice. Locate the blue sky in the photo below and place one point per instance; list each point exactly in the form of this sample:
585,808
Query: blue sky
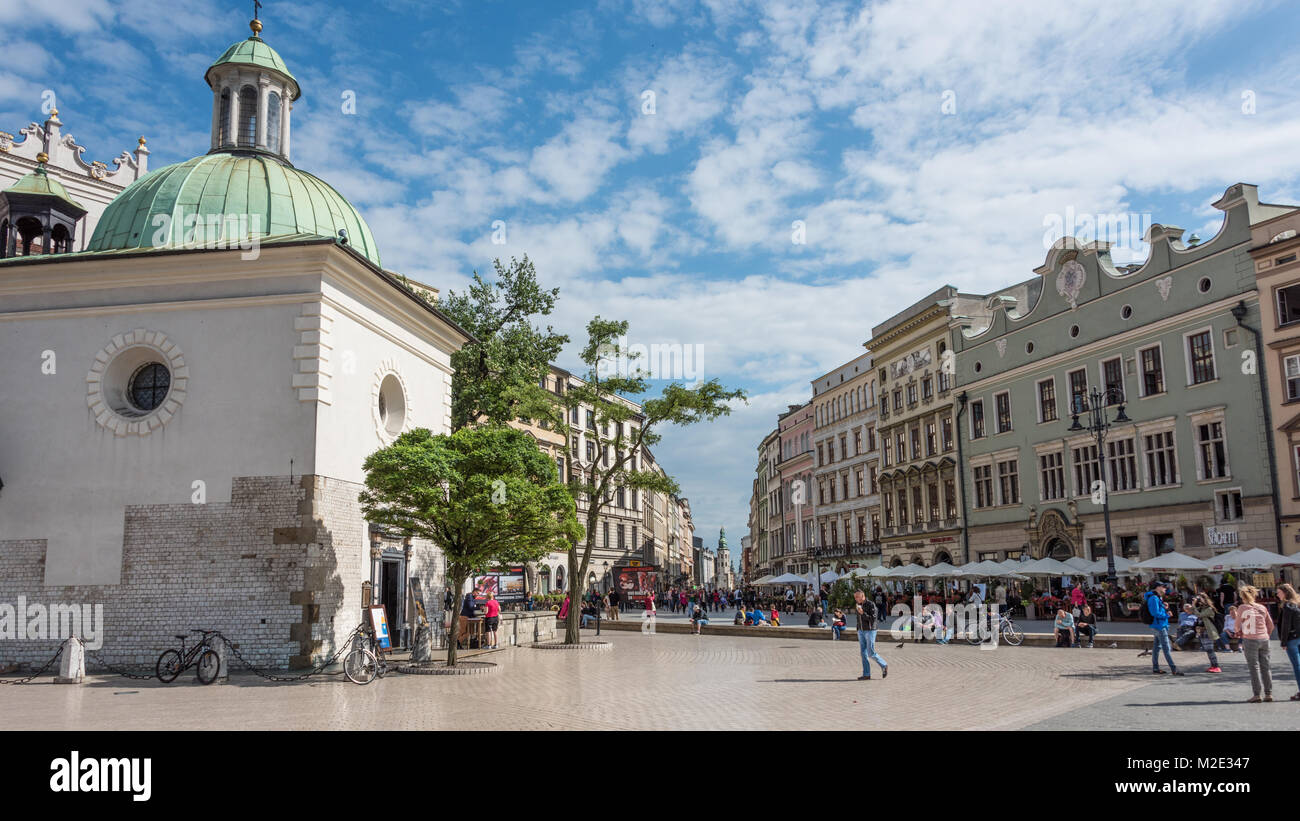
920,143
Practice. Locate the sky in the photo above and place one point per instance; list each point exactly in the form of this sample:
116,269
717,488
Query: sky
758,182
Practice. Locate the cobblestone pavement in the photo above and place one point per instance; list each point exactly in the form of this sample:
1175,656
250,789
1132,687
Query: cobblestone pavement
672,681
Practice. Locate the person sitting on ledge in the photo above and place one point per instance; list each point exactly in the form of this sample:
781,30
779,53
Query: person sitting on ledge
698,620
589,612
741,616
1064,627
776,617
757,619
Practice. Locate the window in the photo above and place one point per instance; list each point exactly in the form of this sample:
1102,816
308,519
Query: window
1153,371
1087,468
871,438
902,507
886,451
820,461
1288,304
875,525
844,485
899,447
976,419
911,395
1078,391
1213,453
1112,373
857,477
223,127
1162,467
862,530
606,529
931,440
1162,542
622,544
1122,463
927,388
945,379
915,435
1002,401
1200,357
887,505
983,476
1291,371
933,490
1227,505
917,505
1008,483
1047,400
898,399
273,127
950,498
835,532
844,447
945,426
857,442
246,130
149,385
1051,476
1194,535
1128,547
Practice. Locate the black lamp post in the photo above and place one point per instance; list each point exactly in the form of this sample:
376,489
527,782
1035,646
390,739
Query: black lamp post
1098,425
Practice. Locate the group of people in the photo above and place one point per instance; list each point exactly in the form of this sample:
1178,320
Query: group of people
1234,616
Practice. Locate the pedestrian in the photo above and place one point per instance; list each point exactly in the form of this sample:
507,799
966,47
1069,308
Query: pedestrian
1155,608
1288,629
789,599
1255,625
1203,606
491,619
613,604
838,623
466,613
868,616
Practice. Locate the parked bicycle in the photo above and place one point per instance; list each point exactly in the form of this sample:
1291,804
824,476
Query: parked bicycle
201,656
365,661
1008,631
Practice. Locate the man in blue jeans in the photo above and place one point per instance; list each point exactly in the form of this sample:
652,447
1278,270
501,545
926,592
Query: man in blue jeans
1160,628
867,618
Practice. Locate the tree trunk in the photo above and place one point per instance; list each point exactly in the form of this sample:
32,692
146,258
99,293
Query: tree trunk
571,619
458,585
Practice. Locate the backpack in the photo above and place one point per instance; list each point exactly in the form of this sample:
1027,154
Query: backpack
1145,610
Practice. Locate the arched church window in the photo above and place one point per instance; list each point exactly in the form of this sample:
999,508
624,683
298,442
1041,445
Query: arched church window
223,123
247,131
273,122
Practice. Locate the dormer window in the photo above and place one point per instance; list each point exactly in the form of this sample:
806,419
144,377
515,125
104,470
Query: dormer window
273,122
223,122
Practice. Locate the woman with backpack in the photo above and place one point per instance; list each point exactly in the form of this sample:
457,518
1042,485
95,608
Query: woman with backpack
1288,629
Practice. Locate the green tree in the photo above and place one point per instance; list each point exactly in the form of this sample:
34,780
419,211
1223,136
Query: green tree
621,435
496,375
485,495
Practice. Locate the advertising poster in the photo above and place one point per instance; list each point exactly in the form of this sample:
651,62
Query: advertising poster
635,582
509,584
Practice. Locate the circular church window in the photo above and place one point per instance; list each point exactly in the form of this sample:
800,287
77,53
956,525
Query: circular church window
149,386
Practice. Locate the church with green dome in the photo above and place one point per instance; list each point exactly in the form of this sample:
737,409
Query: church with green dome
192,391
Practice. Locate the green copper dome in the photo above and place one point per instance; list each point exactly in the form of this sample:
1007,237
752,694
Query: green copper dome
42,184
278,200
254,52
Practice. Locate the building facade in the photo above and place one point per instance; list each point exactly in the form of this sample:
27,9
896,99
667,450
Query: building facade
789,551
846,460
1187,465
918,414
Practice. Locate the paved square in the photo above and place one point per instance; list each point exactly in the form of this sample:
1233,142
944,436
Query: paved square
677,682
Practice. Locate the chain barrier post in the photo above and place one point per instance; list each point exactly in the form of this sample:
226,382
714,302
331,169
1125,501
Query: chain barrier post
72,662
221,646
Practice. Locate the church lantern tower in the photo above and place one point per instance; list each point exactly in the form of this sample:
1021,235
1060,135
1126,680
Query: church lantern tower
37,216
252,97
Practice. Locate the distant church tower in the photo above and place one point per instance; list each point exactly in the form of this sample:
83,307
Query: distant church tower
722,573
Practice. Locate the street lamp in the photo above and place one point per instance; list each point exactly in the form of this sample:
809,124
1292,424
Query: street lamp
1098,425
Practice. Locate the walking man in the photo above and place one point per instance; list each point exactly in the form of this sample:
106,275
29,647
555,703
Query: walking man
867,619
1160,628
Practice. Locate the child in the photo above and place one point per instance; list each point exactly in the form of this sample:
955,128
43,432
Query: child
1230,629
776,618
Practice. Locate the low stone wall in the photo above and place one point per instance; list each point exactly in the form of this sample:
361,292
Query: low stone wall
526,628
1125,641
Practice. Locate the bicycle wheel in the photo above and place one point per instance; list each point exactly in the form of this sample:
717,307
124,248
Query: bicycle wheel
208,667
1012,635
360,666
973,636
168,666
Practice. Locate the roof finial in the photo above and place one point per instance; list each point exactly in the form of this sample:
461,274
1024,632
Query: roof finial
256,24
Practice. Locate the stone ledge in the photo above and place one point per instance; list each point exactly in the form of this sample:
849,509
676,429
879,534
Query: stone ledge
585,645
440,668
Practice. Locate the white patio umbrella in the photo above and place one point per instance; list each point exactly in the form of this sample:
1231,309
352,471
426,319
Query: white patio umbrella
935,571
765,580
878,572
1123,567
905,571
988,567
1223,561
826,578
1253,558
1171,561
789,578
1046,566
1078,563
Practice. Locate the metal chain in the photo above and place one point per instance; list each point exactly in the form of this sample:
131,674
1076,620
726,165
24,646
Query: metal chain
314,671
28,680
117,672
